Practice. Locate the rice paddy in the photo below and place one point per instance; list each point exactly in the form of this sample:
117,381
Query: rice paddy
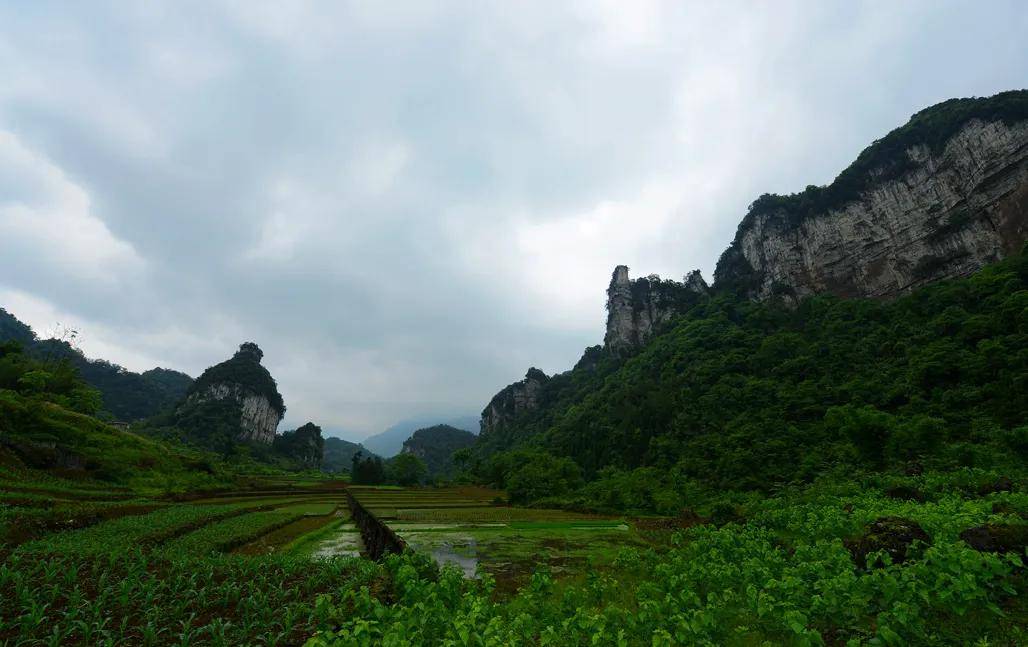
471,529
280,544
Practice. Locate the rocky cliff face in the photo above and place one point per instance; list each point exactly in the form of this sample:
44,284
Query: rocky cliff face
257,418
238,394
512,401
635,308
958,204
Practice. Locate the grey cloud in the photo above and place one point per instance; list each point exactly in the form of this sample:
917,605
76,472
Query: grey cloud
408,205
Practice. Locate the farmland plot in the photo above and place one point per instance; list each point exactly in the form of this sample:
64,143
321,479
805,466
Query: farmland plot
461,526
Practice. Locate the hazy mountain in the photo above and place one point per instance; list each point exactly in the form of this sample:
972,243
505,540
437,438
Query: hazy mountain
390,442
435,446
338,454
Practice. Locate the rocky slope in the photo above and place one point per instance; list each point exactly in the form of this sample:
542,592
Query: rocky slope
937,198
238,396
513,401
635,308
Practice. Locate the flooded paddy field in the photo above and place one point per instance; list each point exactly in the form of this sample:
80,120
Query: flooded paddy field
469,528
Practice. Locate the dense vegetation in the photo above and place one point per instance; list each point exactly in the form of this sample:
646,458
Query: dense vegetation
162,578
124,395
244,368
435,446
839,472
338,454
367,470
402,469
786,576
303,445
755,396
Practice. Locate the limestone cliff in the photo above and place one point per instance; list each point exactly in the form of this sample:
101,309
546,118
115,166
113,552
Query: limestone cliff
238,396
636,308
938,198
512,401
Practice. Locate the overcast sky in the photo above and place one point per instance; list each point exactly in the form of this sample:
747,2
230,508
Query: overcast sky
408,204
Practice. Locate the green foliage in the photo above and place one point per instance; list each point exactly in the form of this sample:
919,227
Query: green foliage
56,381
44,435
436,445
367,470
407,469
224,535
140,598
785,577
337,455
304,445
741,395
121,393
529,474
243,369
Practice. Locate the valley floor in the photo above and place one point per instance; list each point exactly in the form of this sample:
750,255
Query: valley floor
936,559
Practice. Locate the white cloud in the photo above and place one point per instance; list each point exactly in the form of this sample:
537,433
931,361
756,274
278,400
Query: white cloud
47,223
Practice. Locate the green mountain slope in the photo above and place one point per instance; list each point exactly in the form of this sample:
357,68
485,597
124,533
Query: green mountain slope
435,446
126,396
743,395
47,426
338,454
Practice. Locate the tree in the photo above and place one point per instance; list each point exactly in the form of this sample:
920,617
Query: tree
367,471
407,469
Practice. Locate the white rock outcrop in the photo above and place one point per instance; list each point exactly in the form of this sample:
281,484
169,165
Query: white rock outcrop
950,214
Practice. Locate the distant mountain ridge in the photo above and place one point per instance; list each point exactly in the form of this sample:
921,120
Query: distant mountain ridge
390,442
127,396
435,446
338,454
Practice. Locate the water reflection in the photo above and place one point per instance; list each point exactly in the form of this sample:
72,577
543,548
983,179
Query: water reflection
465,557
345,542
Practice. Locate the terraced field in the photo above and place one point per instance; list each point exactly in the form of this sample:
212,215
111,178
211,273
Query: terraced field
85,565
472,529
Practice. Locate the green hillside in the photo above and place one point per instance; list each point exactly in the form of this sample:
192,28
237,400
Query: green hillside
125,395
745,396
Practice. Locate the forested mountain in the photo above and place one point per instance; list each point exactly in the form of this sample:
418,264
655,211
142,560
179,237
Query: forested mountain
390,442
436,445
338,454
126,396
742,394
303,445
234,401
783,370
